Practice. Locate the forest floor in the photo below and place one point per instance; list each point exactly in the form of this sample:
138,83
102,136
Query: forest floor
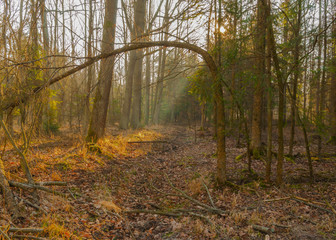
158,183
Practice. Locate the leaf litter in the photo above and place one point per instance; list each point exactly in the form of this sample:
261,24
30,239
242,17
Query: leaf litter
158,183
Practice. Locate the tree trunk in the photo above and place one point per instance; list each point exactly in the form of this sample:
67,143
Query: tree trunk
260,74
102,95
125,115
332,96
90,73
269,99
220,111
297,73
7,192
320,123
147,87
139,26
281,86
161,73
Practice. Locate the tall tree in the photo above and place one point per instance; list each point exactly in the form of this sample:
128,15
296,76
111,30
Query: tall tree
332,94
139,26
90,69
100,106
260,75
297,73
162,66
136,30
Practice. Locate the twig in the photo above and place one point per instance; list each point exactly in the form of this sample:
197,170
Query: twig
4,235
276,199
219,211
331,207
25,230
312,205
153,212
72,195
263,229
304,199
210,198
32,204
31,186
28,237
148,141
52,183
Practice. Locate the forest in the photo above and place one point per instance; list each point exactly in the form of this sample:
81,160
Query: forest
167,119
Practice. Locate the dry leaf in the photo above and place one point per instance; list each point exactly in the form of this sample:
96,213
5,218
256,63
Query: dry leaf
109,205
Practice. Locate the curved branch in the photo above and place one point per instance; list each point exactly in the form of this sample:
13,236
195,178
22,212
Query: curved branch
133,46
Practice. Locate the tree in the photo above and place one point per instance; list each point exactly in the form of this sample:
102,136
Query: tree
332,97
136,30
139,26
260,75
101,101
297,73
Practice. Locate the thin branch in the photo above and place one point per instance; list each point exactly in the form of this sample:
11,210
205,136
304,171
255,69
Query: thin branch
209,195
4,235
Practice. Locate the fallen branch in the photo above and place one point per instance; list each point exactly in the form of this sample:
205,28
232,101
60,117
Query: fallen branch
263,229
51,183
148,141
276,199
32,204
28,237
31,186
209,195
331,207
312,205
4,235
25,230
153,212
183,194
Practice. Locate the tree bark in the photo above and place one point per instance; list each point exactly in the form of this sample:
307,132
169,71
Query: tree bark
90,72
102,95
297,73
139,26
332,96
7,192
260,75
269,99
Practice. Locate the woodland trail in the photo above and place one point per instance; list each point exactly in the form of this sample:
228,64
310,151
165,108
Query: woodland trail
106,188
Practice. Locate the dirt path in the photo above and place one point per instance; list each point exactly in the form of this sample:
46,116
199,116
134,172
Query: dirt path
107,185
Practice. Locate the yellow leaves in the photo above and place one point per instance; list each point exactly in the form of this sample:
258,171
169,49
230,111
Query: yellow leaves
54,229
195,186
109,205
55,177
118,145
